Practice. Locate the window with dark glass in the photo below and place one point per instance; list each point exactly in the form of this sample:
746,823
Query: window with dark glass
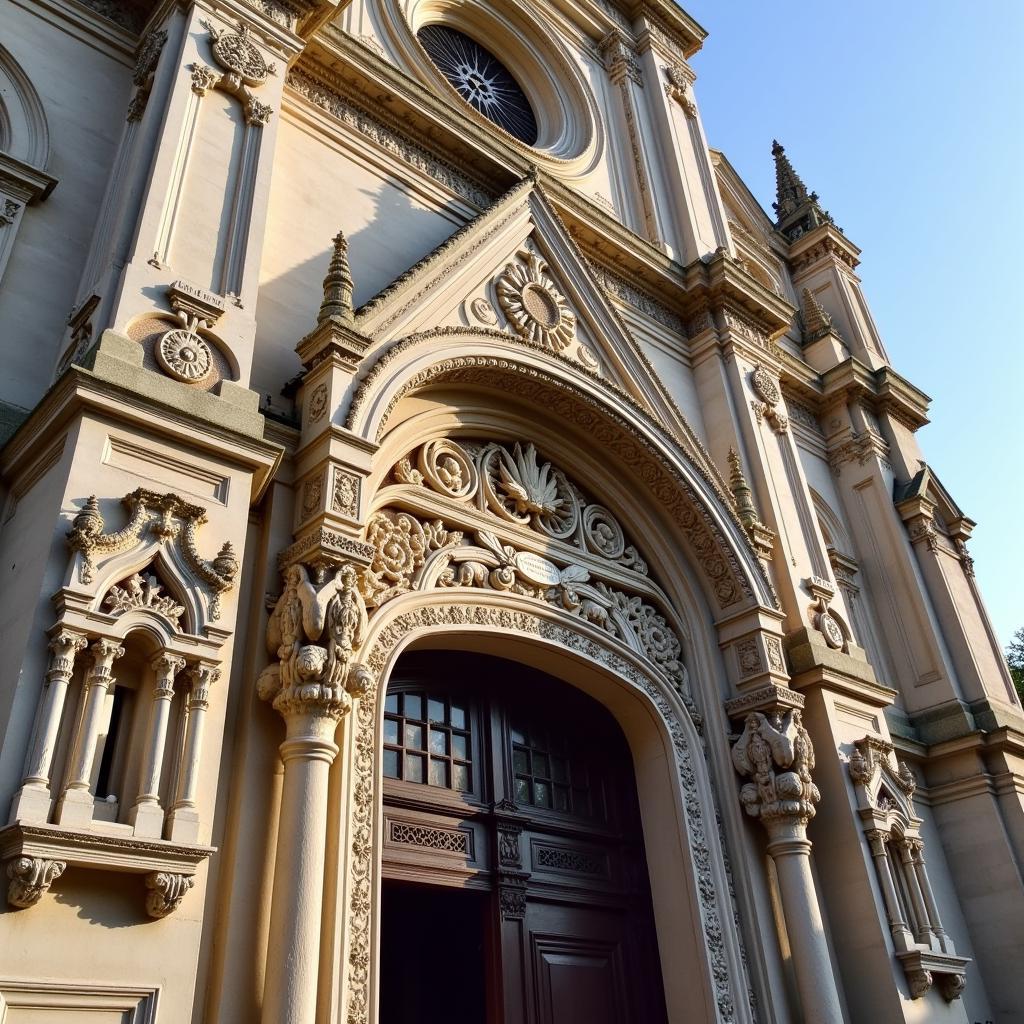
427,739
548,773
481,80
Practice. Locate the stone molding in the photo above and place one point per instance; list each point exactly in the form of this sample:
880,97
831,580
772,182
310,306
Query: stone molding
389,631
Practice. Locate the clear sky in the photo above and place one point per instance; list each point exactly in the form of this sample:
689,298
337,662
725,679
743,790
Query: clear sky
907,120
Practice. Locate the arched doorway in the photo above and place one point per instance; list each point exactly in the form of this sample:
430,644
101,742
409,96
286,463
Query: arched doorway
514,879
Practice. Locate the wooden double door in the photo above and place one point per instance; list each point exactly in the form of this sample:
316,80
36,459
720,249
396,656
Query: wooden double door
515,887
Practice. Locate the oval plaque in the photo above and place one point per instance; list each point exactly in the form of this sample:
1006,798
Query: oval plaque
537,569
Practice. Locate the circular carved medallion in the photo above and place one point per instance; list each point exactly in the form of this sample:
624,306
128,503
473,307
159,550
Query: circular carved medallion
535,308
234,52
184,356
765,386
318,402
830,629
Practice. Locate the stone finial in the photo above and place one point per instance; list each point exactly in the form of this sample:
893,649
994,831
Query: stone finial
798,210
741,493
337,302
816,322
790,191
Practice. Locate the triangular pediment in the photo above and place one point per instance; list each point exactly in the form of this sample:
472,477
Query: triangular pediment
516,270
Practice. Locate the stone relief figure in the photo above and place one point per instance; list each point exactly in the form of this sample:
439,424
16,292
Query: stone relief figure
768,744
314,632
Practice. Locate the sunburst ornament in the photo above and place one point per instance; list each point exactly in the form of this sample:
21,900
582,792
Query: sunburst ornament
535,308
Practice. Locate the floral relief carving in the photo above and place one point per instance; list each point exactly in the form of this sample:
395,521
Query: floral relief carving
235,52
749,657
143,592
608,431
165,891
312,495
345,495
535,308
183,355
518,487
766,387
713,913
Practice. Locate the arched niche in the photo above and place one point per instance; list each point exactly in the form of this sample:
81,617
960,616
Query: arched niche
24,134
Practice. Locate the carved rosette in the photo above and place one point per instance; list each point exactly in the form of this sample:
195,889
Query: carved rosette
535,308
776,754
244,69
183,355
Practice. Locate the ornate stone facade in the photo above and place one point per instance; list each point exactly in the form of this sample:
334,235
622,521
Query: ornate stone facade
342,369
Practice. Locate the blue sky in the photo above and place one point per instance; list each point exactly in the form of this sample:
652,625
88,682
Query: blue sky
907,119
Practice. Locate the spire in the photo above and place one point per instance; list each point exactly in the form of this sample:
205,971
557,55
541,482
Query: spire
337,302
790,191
798,210
741,493
816,322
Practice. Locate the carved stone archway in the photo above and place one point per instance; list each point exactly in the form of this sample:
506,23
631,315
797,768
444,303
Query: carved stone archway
671,464
526,630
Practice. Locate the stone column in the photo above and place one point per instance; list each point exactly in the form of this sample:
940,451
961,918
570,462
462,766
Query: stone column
314,632
76,803
32,802
924,927
183,821
916,847
293,956
146,815
775,752
901,934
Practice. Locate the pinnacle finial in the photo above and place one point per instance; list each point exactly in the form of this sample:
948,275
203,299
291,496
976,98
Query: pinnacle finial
816,322
741,492
790,191
337,302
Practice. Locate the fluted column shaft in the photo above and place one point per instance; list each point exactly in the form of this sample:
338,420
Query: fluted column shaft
917,857
183,819
901,934
76,802
146,815
293,956
32,802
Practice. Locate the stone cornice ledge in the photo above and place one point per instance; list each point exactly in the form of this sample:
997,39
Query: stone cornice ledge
812,663
31,182
99,850
122,389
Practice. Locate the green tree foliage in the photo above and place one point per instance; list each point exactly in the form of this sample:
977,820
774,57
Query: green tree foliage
1015,659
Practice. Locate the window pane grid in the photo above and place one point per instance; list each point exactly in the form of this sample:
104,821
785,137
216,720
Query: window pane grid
427,740
546,774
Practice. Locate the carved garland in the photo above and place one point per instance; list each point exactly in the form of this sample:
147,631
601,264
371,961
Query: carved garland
168,517
361,865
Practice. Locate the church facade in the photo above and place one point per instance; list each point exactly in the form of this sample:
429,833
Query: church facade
462,558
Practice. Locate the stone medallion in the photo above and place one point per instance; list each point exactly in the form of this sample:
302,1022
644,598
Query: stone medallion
535,308
184,356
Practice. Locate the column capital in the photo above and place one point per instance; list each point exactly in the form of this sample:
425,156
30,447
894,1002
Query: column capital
315,632
64,645
776,753
201,675
104,653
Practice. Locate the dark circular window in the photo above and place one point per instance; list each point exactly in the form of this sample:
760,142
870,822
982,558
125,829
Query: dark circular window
481,80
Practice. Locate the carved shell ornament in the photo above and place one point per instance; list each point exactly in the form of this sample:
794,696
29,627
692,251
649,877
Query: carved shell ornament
518,486
535,308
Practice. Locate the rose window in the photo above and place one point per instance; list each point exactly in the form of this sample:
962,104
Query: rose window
481,80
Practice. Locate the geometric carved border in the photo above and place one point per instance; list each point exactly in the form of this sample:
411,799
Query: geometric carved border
127,1004
447,840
